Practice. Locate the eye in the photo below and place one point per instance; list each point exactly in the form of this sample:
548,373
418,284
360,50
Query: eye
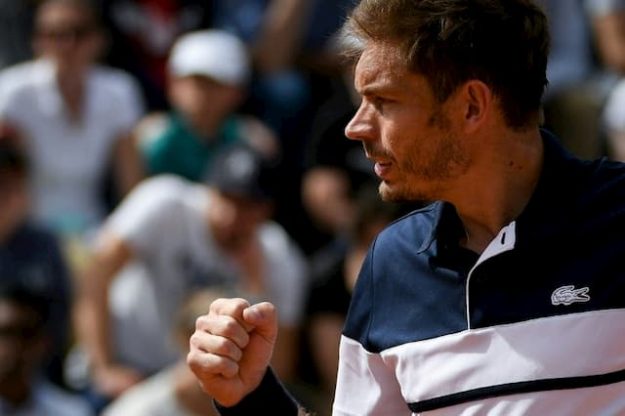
378,103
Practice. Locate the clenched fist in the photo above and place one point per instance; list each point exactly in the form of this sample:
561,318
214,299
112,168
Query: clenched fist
231,348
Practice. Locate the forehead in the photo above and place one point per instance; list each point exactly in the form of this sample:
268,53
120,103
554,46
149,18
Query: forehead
381,67
59,12
200,82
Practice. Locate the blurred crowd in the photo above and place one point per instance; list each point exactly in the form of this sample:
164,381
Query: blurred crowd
157,154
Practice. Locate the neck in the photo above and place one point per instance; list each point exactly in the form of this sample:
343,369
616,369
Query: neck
71,86
205,125
498,190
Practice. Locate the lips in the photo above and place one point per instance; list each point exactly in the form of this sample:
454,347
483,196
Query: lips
382,169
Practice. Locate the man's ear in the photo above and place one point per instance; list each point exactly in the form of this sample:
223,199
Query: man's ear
477,99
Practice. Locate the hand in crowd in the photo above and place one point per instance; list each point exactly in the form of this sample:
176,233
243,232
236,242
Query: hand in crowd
232,347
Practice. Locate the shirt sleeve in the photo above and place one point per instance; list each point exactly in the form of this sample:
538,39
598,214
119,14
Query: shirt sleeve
366,384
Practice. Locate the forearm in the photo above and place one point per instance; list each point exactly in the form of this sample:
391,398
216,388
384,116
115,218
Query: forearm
92,318
128,166
92,321
281,34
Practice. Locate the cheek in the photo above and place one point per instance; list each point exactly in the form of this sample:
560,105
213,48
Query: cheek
185,95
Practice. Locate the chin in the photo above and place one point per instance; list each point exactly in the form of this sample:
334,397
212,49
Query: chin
390,194
394,194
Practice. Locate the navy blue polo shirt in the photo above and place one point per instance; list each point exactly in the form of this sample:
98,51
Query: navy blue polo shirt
531,325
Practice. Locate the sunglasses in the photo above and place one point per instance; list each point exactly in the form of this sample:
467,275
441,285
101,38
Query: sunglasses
67,33
18,331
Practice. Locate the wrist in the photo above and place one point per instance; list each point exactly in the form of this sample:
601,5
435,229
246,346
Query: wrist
270,397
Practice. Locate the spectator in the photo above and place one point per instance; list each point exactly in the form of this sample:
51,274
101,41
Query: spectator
607,23
31,256
74,116
572,100
142,34
168,238
23,343
207,75
295,65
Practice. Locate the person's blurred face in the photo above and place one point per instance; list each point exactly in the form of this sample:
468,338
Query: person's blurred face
67,35
21,342
200,98
15,201
233,219
404,130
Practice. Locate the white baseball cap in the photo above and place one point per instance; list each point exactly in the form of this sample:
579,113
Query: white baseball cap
216,54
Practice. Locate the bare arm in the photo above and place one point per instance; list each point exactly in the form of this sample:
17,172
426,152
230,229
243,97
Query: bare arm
92,316
609,32
281,34
127,165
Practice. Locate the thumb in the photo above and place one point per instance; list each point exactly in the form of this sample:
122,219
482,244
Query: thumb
264,318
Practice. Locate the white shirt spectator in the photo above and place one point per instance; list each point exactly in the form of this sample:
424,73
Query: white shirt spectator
68,158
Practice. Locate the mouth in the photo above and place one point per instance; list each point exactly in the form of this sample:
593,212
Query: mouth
382,169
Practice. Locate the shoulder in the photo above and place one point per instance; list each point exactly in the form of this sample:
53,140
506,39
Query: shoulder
20,77
151,127
602,193
388,278
156,205
410,231
20,71
117,84
159,194
164,188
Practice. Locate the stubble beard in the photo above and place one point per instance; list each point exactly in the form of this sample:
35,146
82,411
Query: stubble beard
448,160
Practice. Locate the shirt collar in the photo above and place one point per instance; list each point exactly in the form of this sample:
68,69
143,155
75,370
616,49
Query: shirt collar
445,225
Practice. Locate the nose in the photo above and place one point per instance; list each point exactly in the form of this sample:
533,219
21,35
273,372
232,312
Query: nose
361,126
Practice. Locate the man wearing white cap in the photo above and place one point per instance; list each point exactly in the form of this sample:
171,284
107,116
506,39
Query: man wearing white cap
208,71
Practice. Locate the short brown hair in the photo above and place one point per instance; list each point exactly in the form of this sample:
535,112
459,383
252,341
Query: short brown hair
504,43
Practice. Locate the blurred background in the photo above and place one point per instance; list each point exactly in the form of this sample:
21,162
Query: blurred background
114,230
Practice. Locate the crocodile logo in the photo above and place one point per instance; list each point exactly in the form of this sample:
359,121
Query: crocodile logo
567,295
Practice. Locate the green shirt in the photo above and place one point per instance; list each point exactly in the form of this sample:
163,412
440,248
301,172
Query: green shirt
179,150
